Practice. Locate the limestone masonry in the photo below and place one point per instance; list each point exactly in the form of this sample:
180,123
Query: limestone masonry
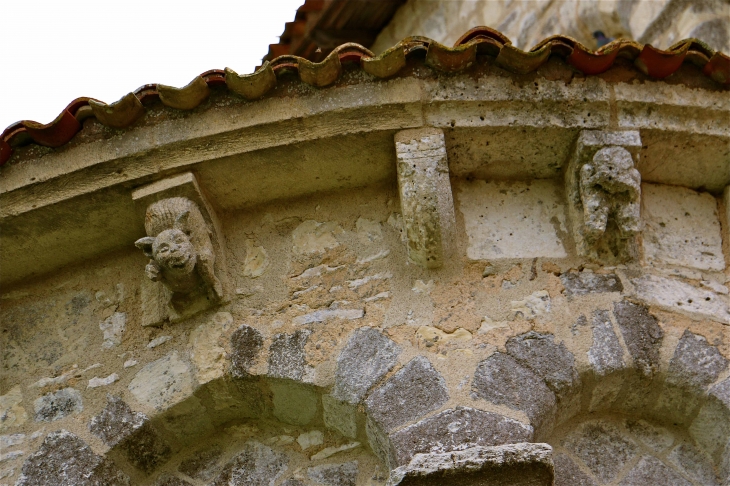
475,278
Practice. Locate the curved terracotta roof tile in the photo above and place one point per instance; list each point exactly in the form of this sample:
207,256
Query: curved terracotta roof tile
654,62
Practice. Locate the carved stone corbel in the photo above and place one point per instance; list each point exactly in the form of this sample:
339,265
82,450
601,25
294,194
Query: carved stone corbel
604,194
185,273
426,201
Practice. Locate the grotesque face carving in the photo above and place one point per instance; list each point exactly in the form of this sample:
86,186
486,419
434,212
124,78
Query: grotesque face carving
174,252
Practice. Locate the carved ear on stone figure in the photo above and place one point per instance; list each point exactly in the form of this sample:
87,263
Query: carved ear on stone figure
604,192
145,244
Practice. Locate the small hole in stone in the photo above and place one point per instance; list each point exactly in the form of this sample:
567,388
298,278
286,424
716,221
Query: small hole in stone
689,301
707,299
481,118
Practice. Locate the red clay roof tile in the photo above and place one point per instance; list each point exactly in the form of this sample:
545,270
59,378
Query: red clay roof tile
480,41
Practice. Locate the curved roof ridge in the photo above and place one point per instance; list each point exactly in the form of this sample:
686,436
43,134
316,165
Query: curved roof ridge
655,63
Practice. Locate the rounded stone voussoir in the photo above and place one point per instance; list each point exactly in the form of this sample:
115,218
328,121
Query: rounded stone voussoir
412,392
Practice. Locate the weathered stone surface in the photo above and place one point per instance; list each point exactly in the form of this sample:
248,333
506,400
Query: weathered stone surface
567,473
534,305
310,439
413,391
12,413
286,355
113,328
711,428
145,449
520,464
116,421
55,406
582,283
641,333
682,228
203,464
293,482
512,219
314,237
657,438
334,474
650,470
246,343
163,383
65,460
606,354
456,429
294,403
426,201
675,296
696,363
256,465
257,260
551,362
366,358
602,448
341,416
168,480
206,349
502,380
694,463
721,391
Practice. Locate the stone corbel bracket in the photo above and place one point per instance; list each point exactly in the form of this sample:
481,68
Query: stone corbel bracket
175,287
426,201
603,188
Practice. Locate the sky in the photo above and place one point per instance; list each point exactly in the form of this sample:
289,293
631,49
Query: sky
54,51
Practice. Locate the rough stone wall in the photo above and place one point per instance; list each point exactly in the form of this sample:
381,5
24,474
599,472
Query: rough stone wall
527,22
337,359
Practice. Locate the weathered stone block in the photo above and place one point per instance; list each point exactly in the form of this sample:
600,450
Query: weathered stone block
334,474
650,470
582,283
682,228
206,349
512,219
256,465
341,416
456,429
294,403
168,480
676,296
602,447
567,473
57,405
502,380
246,343
641,333
65,460
695,463
425,195
366,358
412,392
551,362
521,464
203,464
286,355
163,383
606,353
696,363
113,328
12,413
116,422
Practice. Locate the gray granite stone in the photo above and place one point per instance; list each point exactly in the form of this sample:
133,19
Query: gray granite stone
641,333
146,449
694,463
412,392
366,358
721,391
551,362
246,343
116,421
57,405
696,363
651,470
286,355
521,464
256,465
656,437
203,464
606,354
293,482
582,283
456,429
567,473
502,380
602,447
168,480
334,474
65,460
